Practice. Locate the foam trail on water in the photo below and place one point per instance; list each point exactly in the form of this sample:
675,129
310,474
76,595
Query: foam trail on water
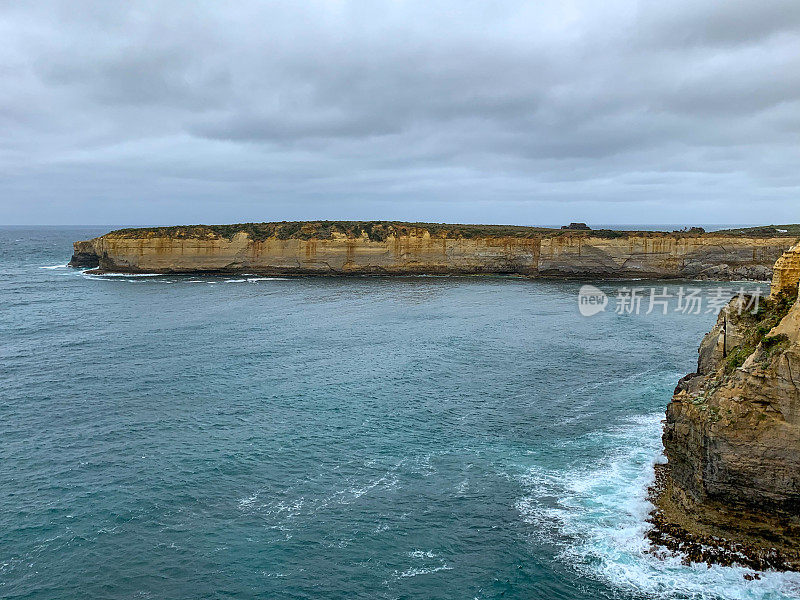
117,275
55,267
254,279
596,516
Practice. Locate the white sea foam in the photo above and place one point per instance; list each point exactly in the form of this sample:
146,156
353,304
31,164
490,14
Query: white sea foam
118,275
596,516
414,571
254,279
249,501
424,555
55,267
387,481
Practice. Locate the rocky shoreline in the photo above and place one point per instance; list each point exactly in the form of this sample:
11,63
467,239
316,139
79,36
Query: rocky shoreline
729,493
696,546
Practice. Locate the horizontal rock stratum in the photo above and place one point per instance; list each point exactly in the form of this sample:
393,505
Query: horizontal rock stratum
730,491
394,248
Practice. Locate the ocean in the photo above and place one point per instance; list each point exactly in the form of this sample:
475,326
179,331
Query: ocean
175,437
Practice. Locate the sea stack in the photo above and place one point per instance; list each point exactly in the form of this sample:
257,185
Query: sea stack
730,491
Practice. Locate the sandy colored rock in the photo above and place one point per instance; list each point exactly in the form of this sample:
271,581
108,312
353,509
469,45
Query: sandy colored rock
435,249
732,439
786,272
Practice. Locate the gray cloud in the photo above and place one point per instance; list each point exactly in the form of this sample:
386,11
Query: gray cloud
621,111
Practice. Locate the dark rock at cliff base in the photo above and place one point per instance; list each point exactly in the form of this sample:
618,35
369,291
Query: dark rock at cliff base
84,255
730,491
695,546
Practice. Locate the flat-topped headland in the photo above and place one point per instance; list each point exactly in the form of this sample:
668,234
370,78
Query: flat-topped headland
398,248
730,491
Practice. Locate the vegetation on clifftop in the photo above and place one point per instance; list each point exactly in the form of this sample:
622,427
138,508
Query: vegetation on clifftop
380,230
373,230
770,312
764,231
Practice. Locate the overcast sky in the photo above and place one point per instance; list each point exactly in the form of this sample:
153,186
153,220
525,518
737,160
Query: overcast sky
530,112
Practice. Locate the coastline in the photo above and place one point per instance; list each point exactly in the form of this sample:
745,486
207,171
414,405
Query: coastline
729,492
393,274
699,541
395,249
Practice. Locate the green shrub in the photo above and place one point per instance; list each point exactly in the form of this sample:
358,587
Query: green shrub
773,346
736,358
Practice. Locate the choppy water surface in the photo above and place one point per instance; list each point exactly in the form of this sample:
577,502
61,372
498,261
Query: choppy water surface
168,437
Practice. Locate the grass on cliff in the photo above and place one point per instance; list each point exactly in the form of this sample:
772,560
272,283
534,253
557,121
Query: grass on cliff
305,230
376,231
770,312
379,231
764,231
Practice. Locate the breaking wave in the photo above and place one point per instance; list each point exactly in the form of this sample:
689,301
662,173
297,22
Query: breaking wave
596,517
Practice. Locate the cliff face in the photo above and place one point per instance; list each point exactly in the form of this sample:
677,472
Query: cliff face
786,272
661,256
341,255
732,437
420,250
84,255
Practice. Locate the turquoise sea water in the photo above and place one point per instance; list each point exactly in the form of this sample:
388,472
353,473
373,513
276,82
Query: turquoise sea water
238,437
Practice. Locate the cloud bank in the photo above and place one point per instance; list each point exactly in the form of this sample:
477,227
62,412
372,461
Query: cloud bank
516,112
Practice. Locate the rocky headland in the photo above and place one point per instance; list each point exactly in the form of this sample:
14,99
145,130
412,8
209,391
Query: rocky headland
730,490
395,248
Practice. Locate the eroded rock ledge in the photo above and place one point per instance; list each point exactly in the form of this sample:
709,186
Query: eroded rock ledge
730,491
393,248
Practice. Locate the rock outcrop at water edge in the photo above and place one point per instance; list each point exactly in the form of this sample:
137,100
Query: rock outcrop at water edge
730,491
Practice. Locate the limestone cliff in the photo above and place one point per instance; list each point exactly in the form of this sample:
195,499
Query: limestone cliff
730,491
84,254
786,272
341,248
